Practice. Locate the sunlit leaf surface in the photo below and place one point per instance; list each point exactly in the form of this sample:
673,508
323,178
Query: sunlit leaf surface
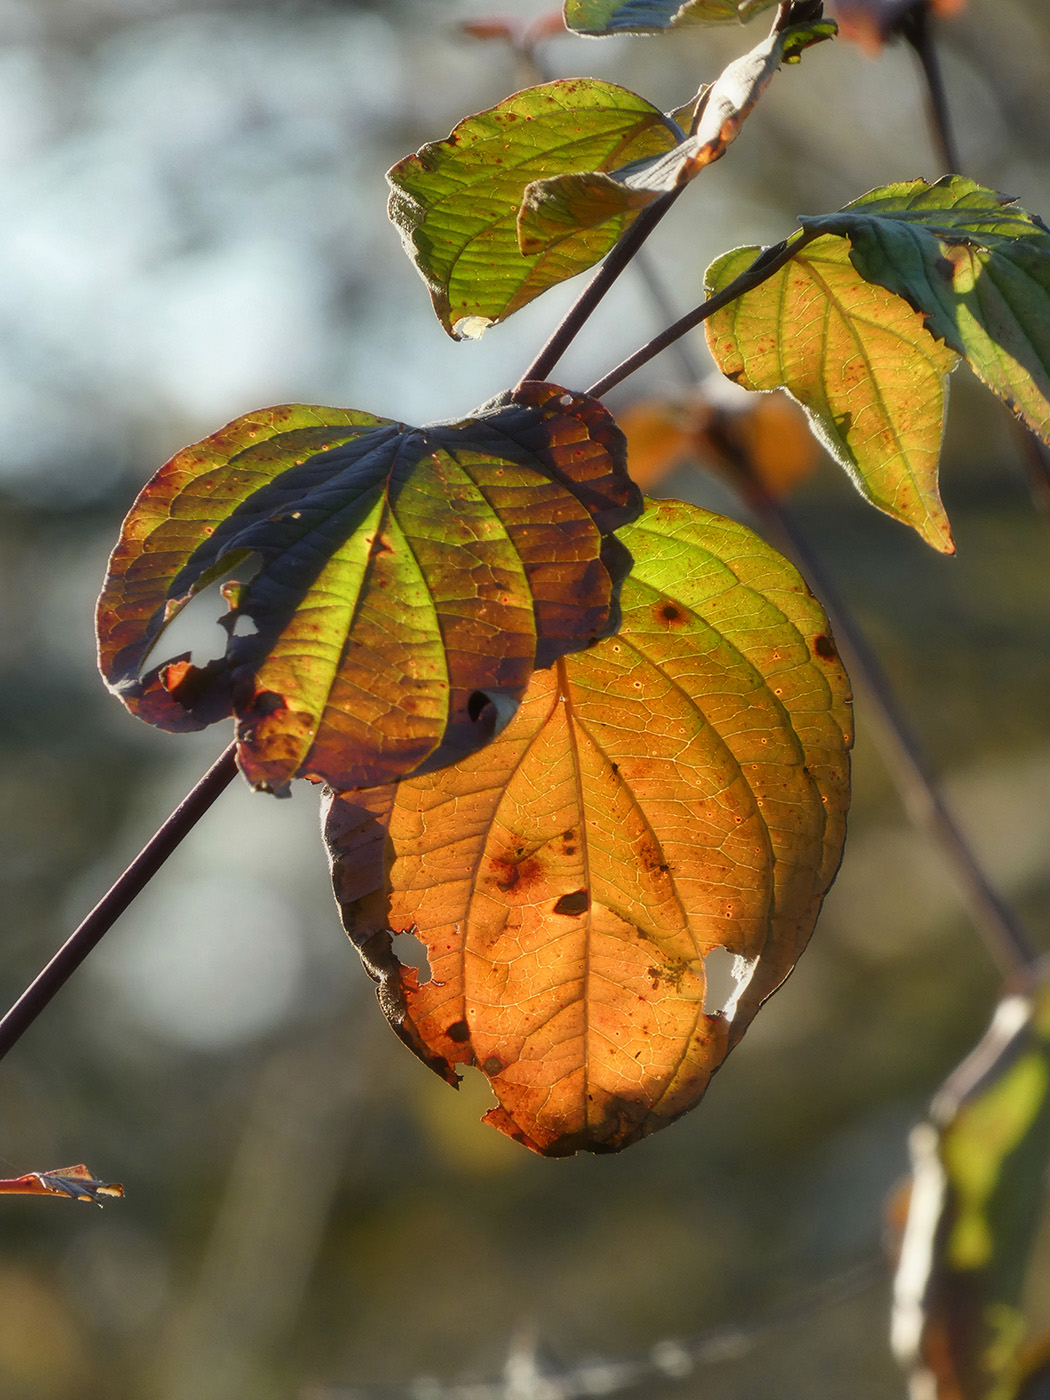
976,266
609,890
978,1191
640,16
407,579
858,358
455,202
559,206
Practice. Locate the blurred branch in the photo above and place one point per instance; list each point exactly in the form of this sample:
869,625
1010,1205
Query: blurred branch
112,904
527,1376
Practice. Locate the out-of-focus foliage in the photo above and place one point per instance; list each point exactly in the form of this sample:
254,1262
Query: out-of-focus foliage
978,1191
642,16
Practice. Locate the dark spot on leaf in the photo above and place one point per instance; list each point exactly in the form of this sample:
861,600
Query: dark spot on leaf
670,613
576,903
492,1065
268,702
824,647
459,1031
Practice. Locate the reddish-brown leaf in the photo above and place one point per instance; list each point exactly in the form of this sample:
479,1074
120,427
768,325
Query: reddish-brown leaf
77,1183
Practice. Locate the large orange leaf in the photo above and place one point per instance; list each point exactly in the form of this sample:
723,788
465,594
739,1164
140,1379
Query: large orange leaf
407,577
609,890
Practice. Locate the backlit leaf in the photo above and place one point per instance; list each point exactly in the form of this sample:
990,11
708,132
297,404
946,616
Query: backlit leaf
978,1190
75,1183
609,890
557,207
455,202
975,265
859,360
645,16
408,578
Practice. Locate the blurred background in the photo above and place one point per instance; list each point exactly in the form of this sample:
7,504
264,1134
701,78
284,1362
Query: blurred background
193,225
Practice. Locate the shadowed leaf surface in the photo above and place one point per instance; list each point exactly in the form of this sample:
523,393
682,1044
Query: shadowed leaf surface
642,16
609,890
557,207
77,1183
408,579
975,265
858,358
455,202
978,1192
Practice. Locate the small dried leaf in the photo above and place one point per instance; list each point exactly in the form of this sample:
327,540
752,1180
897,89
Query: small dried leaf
77,1183
610,889
558,207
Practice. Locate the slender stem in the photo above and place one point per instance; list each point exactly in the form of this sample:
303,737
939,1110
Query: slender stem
587,302
769,261
915,28
109,908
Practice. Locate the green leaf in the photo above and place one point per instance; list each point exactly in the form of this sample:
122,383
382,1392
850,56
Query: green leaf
408,579
975,265
455,202
609,890
647,16
559,206
978,1190
871,378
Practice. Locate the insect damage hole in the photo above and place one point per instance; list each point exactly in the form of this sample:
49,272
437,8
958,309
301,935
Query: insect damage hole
726,975
411,952
491,711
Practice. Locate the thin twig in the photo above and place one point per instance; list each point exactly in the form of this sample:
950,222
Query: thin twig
109,908
769,261
587,302
914,26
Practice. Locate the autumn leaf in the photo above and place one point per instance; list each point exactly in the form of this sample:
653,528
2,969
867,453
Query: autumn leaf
860,361
76,1183
978,1190
455,202
557,207
407,582
977,268
872,23
610,889
598,17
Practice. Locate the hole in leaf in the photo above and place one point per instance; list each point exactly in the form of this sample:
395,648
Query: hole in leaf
244,626
491,711
410,952
726,975
197,629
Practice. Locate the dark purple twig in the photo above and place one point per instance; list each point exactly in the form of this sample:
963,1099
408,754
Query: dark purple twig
109,908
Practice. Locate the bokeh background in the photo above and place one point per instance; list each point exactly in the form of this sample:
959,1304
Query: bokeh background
193,225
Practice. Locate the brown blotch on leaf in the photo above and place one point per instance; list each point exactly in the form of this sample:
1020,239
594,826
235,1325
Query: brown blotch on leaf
825,647
493,1065
670,613
576,903
459,1031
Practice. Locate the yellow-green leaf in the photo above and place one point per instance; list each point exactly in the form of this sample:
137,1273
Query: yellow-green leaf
870,376
646,16
976,266
609,890
455,202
